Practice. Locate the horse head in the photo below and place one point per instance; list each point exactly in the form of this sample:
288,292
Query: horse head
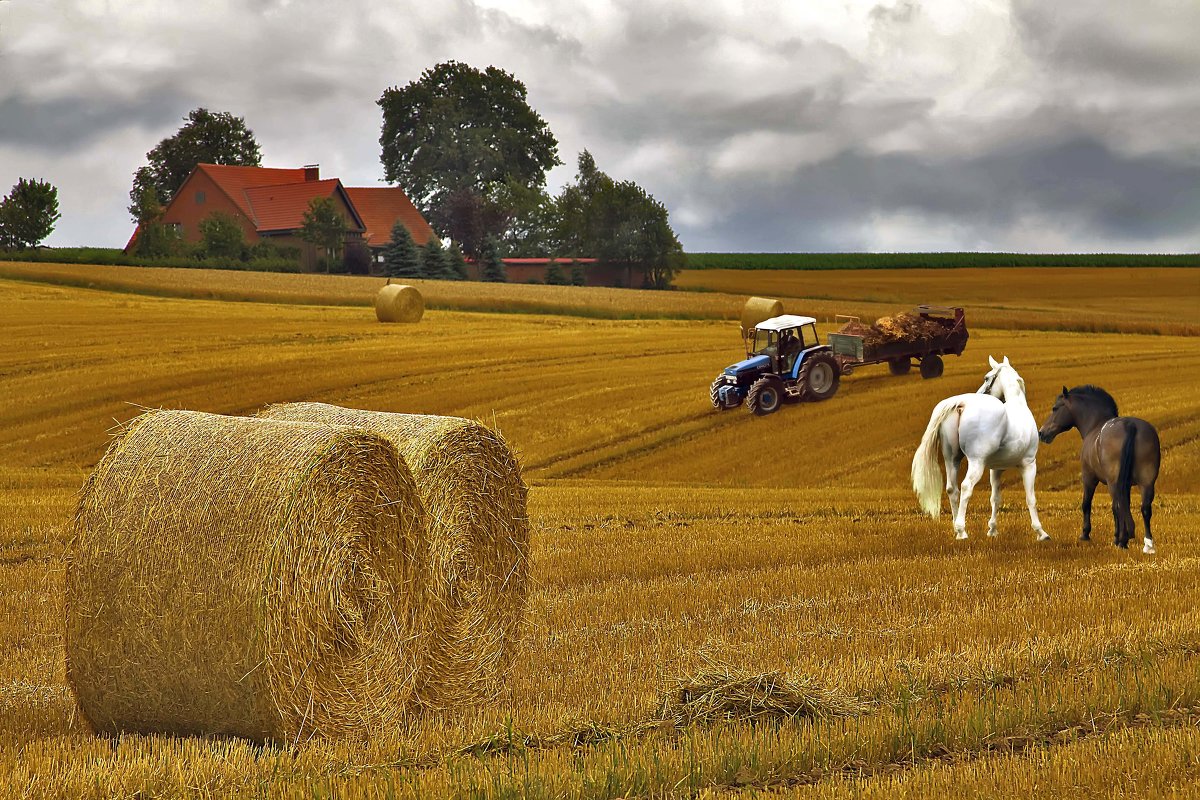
1061,419
1002,381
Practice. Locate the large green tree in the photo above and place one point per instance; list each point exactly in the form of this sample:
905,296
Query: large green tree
618,223
206,137
28,214
323,227
467,148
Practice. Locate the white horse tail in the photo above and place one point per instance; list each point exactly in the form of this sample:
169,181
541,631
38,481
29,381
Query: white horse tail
927,478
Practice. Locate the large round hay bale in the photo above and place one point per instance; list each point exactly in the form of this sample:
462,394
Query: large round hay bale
398,303
758,309
477,578
246,577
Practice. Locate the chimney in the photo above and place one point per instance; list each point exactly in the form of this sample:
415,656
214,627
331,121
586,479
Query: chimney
312,172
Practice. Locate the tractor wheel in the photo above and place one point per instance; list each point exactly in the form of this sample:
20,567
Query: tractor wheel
819,377
899,366
765,396
932,366
714,391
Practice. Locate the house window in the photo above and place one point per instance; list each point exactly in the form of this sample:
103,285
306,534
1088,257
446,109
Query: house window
176,227
199,198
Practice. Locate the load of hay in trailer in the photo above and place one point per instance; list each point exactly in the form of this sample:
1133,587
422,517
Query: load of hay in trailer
324,572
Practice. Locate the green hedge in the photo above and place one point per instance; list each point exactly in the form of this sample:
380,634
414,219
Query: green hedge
107,256
932,260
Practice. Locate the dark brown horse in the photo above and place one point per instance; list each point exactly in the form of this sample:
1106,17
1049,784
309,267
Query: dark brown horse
1117,451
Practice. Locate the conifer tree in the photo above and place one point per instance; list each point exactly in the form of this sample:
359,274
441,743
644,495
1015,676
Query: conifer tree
437,266
458,263
578,275
554,274
491,266
402,257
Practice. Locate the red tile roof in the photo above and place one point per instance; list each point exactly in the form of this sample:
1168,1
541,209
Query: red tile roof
281,208
380,207
537,261
234,181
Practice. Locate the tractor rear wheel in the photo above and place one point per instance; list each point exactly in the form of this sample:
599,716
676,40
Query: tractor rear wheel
932,366
819,377
899,366
765,396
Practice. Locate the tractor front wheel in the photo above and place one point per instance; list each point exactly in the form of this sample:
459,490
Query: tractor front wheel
714,391
932,366
819,377
765,396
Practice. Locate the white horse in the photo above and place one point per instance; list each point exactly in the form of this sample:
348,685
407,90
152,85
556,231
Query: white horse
992,428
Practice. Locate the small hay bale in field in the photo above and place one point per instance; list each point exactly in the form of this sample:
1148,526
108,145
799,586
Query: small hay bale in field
398,303
758,309
476,581
720,693
245,577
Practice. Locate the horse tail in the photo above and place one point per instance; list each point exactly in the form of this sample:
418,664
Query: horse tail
1125,474
927,478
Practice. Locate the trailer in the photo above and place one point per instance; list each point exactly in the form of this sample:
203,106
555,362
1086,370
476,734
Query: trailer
948,337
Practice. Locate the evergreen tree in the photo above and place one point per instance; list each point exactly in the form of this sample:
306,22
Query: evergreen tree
578,275
554,274
437,265
458,264
491,266
402,257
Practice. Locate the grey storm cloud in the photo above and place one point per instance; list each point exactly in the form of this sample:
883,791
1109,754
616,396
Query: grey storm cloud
769,125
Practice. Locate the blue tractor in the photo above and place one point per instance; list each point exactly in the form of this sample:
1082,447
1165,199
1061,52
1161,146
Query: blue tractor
785,360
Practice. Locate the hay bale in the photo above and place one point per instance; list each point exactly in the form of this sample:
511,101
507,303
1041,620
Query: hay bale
398,303
758,309
477,577
245,577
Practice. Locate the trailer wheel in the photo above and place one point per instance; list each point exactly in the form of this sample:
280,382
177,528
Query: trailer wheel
764,397
899,366
932,366
819,377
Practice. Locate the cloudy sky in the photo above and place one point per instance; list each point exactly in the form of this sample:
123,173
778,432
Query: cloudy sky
826,125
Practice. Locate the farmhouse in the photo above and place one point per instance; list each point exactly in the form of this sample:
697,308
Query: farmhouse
270,204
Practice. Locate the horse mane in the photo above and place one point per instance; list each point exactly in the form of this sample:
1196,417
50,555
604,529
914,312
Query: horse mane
1096,396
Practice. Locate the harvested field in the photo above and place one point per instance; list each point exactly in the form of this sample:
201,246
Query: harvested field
839,643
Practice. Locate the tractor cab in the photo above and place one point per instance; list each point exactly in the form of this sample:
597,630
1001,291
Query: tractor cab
782,339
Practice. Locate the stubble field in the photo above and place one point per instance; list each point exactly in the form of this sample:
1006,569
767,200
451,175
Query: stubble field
669,541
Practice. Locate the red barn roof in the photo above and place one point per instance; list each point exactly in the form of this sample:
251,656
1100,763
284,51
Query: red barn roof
380,207
282,207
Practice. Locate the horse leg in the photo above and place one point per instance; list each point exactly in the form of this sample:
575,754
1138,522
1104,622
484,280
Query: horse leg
1028,476
952,461
996,473
1120,509
1147,502
1089,491
974,473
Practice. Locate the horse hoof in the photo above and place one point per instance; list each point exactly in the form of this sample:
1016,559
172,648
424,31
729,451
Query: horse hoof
1085,537
1043,537
960,535
1148,548
993,533
1122,545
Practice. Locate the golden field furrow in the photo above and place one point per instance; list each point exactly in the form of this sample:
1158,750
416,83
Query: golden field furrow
666,537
